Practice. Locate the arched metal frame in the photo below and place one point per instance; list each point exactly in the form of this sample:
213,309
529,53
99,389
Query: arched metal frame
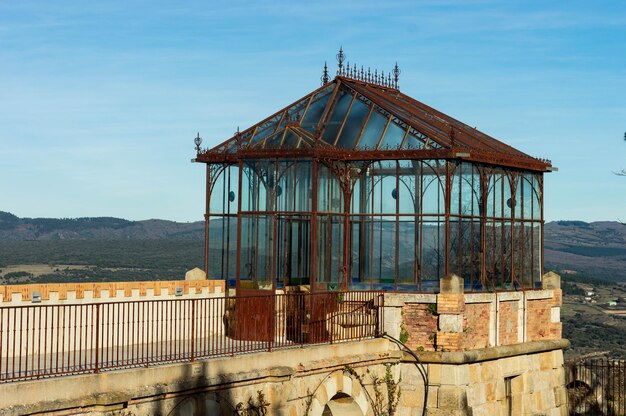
396,225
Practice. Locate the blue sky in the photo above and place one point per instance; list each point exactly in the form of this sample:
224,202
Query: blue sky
100,101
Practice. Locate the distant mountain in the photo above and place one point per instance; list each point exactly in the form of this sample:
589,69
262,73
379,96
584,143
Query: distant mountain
13,228
595,249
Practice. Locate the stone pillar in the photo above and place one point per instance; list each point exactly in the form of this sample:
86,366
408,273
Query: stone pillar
552,281
450,308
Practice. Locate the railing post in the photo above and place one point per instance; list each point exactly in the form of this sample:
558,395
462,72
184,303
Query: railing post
271,321
97,369
193,328
332,313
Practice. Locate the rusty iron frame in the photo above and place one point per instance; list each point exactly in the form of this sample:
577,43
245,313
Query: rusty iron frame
456,144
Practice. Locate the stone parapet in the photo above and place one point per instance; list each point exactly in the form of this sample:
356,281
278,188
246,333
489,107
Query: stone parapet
51,293
455,321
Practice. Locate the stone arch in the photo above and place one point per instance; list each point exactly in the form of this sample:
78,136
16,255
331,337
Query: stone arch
338,384
585,389
201,404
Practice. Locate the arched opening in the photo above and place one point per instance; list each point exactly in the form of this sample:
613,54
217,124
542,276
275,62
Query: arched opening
342,404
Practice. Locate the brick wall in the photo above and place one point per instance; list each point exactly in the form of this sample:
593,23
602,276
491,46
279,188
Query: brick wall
541,322
419,320
507,322
476,326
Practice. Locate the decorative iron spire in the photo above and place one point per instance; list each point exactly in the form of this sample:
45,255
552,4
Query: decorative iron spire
340,58
238,138
396,76
344,69
325,78
198,142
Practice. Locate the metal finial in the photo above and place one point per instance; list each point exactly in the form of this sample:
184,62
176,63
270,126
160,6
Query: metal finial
375,76
348,69
396,75
355,72
325,78
369,75
382,78
198,142
340,58
363,79
238,138
389,84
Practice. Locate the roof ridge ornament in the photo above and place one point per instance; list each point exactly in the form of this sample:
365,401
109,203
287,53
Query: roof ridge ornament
344,69
197,141
396,76
325,78
340,58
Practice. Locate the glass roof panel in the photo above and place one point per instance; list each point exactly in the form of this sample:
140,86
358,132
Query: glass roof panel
393,137
265,129
414,140
291,140
339,113
274,141
352,127
316,109
373,131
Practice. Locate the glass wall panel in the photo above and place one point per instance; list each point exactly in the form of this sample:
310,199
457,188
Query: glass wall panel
432,252
329,193
329,252
383,182
407,254
408,175
431,187
537,255
257,249
222,216
293,249
257,176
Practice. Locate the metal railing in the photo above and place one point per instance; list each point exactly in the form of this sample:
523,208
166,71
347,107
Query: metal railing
39,341
596,386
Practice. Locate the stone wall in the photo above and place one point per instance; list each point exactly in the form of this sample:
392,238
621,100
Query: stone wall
482,354
524,380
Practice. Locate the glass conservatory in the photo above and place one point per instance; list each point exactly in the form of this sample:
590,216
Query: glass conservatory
357,186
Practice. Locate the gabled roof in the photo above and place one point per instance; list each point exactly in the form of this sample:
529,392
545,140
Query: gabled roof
354,120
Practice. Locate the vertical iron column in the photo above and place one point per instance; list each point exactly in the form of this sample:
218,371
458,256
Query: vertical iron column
238,257
542,225
313,257
206,220
446,202
397,240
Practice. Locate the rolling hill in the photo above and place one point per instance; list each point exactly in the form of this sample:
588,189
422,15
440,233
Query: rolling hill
596,249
